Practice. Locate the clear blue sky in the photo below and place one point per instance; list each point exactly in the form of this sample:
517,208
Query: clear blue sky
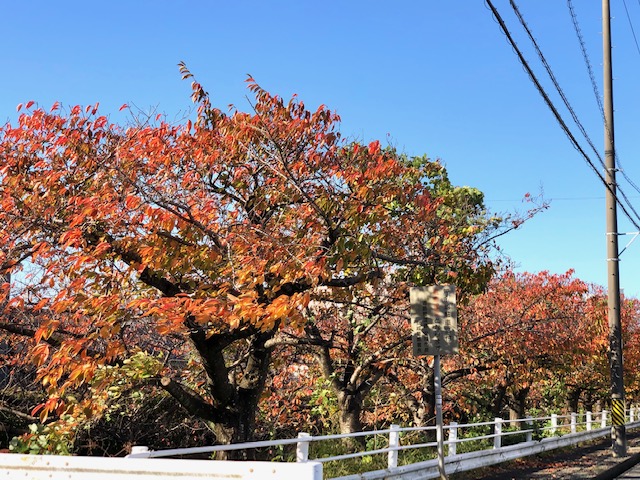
428,77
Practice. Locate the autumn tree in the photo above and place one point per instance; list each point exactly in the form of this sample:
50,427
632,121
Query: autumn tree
523,329
589,384
217,233
361,335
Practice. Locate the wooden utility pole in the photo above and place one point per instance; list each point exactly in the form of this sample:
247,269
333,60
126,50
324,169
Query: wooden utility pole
618,432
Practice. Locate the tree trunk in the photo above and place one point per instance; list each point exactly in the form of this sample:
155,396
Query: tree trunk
573,399
234,392
429,398
423,408
497,399
589,402
518,406
350,410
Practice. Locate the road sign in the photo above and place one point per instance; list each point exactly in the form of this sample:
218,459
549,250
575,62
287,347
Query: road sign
434,320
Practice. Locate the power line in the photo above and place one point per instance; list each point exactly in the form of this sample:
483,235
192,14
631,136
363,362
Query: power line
554,110
555,81
567,104
585,55
594,85
631,25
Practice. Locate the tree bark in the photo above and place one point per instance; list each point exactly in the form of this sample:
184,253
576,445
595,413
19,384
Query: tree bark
497,399
573,399
517,401
350,406
234,391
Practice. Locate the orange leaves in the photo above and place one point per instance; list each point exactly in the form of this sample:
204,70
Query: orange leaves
71,238
40,354
101,248
157,231
132,202
282,308
521,312
53,404
374,147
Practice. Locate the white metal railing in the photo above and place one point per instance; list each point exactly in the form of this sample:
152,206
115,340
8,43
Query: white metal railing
552,431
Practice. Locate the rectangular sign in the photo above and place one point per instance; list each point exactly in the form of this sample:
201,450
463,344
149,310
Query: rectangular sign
434,320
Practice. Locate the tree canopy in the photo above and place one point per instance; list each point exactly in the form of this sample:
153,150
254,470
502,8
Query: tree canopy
207,238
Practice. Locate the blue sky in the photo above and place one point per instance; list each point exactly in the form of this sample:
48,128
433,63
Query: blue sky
436,78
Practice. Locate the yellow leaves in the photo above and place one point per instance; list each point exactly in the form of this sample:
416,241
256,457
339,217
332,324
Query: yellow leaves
280,308
78,374
40,354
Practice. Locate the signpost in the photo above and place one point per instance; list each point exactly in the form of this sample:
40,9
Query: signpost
434,326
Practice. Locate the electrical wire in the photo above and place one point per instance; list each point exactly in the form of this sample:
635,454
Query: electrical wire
631,25
567,104
564,97
555,112
594,85
555,81
585,56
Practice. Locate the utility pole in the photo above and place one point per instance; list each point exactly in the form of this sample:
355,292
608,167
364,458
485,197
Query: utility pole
618,432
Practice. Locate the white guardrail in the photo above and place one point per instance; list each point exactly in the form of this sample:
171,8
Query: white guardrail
554,432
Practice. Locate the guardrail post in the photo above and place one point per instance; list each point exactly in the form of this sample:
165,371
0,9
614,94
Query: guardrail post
497,430
394,441
574,422
529,424
589,420
453,439
302,447
603,420
554,423
632,414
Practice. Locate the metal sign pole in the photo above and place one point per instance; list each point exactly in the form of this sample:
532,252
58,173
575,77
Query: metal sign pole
437,383
435,332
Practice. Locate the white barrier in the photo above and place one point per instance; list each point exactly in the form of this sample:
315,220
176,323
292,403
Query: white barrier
483,458
145,463
53,467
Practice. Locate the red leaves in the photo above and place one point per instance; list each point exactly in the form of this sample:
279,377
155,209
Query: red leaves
27,106
237,222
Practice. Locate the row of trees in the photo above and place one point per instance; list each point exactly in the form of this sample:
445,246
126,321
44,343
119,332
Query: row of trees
253,268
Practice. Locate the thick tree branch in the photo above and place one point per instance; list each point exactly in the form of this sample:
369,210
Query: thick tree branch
189,399
5,408
463,372
55,340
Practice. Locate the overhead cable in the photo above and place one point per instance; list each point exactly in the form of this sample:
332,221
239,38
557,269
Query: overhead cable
631,25
594,85
555,112
555,81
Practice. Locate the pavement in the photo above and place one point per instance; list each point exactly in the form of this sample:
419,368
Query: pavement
593,461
